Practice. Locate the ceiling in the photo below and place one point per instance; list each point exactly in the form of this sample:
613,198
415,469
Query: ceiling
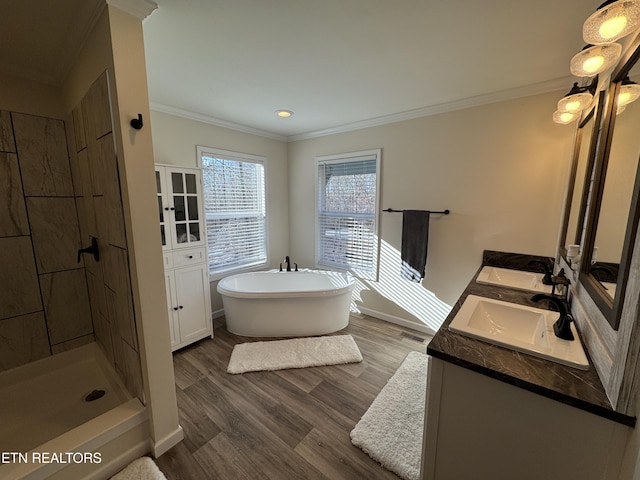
337,64
346,63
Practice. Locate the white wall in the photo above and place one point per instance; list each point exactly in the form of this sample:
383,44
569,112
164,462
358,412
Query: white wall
174,142
501,169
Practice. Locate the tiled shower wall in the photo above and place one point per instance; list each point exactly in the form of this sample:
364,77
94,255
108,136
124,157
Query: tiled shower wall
44,303
58,197
94,169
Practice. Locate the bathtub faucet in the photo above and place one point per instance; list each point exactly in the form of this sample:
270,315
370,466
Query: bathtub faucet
287,262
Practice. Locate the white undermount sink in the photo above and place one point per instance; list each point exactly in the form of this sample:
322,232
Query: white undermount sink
505,277
518,327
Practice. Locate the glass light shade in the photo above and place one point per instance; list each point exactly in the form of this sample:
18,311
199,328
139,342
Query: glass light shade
575,103
564,118
611,22
595,59
628,93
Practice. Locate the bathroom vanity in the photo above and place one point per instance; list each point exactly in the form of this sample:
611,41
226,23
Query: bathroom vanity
495,413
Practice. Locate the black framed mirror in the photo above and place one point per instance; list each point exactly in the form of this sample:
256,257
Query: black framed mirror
614,209
579,178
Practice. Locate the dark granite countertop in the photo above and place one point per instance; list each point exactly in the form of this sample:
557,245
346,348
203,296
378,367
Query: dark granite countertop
579,388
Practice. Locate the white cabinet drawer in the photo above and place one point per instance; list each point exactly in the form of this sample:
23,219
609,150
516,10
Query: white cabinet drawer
189,256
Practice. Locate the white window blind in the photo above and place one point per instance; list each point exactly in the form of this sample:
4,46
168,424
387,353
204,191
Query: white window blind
347,212
235,210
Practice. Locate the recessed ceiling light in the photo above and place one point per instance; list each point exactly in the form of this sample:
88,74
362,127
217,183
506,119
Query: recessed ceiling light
284,113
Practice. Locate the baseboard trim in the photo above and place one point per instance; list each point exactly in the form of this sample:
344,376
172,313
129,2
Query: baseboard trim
167,442
397,320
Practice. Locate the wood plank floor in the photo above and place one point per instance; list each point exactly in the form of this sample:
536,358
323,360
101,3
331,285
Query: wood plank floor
287,424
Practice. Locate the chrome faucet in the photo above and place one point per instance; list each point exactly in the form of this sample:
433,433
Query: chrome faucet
562,327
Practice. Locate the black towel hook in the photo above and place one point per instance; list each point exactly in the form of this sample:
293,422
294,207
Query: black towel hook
137,122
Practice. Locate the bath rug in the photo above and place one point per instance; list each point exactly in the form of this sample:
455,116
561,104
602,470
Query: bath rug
390,431
294,353
141,469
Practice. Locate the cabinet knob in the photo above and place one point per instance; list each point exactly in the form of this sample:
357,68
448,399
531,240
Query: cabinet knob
180,307
190,256
175,308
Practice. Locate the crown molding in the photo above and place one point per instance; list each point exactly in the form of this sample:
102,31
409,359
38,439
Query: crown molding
198,117
140,9
476,101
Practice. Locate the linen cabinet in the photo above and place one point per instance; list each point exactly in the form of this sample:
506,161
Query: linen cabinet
183,238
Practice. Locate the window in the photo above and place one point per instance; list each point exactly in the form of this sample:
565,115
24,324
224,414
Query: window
235,209
347,220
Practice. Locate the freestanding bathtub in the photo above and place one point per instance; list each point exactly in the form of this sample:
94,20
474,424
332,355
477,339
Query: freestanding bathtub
286,304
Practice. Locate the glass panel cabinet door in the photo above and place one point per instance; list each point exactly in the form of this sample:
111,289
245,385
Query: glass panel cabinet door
180,207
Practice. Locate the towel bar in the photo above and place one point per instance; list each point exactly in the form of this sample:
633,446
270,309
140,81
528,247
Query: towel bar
443,212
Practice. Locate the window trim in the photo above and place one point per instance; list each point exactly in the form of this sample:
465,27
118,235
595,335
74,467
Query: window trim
344,158
240,157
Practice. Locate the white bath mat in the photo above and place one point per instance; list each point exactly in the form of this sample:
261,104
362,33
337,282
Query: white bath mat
294,353
390,431
141,469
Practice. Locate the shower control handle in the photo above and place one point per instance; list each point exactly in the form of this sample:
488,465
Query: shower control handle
92,249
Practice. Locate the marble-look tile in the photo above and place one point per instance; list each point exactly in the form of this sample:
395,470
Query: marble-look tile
114,216
83,188
128,364
14,222
54,228
73,156
79,128
71,344
43,156
99,107
121,317
7,143
96,167
104,336
118,295
22,340
66,305
19,290
97,298
101,225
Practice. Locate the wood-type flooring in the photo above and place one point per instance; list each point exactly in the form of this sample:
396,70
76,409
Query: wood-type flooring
281,425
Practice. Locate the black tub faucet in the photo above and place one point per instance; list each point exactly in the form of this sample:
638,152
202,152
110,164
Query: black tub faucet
287,262
562,327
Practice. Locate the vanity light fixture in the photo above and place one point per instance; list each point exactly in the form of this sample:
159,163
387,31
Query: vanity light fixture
594,59
612,21
564,118
284,113
578,99
629,92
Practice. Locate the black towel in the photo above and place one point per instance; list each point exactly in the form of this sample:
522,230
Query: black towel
415,238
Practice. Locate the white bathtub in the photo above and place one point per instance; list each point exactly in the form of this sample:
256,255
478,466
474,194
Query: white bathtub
50,431
286,304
